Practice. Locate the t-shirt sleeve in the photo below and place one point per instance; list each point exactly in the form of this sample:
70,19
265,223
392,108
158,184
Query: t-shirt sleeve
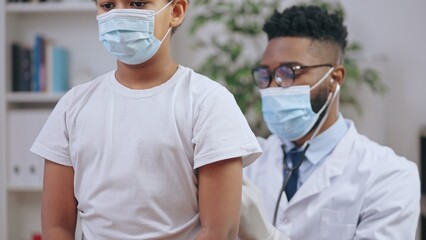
52,142
251,171
221,131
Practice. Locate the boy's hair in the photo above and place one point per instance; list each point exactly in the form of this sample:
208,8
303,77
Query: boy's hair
307,21
168,0
173,30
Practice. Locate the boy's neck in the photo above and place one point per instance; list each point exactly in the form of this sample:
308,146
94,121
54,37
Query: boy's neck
149,74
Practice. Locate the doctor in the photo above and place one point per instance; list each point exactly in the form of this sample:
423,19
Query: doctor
319,178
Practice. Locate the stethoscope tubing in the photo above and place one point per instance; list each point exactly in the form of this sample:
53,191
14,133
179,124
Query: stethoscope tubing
292,169
289,172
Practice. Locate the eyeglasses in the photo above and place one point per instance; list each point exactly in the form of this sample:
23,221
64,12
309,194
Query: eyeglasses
284,74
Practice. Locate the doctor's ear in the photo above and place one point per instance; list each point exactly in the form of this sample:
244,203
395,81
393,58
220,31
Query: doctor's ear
338,75
333,84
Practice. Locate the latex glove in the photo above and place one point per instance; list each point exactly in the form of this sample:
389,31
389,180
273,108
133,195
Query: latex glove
253,223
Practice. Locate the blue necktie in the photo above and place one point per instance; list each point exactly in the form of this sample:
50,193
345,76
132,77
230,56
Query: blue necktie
295,157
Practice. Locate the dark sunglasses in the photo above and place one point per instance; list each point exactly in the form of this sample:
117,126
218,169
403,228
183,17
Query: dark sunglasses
284,74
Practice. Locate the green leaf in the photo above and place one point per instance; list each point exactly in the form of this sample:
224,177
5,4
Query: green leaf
353,47
198,22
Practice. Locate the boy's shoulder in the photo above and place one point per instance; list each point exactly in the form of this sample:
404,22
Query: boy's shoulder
82,91
94,82
201,83
192,75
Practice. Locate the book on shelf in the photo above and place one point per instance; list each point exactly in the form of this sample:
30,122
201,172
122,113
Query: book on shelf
57,69
44,68
21,64
38,63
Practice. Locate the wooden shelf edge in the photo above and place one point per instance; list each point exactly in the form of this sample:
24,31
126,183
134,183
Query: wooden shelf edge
23,189
33,97
51,7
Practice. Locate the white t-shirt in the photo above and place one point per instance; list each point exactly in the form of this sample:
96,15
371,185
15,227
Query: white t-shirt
135,152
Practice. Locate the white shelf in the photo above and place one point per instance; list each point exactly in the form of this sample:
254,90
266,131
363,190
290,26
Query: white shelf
46,7
70,24
25,189
33,97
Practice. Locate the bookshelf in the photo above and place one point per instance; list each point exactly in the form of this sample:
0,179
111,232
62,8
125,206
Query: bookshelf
72,25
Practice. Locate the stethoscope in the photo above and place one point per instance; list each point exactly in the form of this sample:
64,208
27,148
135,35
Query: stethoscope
290,170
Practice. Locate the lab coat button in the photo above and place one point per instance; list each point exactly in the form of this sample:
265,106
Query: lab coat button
286,221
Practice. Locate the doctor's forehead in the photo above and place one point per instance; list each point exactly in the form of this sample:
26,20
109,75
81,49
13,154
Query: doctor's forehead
289,50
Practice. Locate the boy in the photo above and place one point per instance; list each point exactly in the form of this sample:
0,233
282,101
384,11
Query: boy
151,150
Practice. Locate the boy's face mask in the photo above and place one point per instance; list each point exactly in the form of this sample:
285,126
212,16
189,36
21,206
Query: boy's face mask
128,34
288,112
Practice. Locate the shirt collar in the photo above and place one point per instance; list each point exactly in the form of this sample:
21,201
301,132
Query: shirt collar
324,143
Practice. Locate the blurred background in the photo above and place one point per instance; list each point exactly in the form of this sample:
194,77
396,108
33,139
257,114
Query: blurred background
384,92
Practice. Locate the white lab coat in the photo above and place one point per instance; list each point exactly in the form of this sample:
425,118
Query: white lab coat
361,191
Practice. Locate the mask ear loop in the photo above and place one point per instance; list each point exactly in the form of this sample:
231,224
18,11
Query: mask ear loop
323,107
167,33
323,78
330,101
165,6
159,11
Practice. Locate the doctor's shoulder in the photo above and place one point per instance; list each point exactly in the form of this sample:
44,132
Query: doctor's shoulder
375,153
385,166
391,186
271,143
271,156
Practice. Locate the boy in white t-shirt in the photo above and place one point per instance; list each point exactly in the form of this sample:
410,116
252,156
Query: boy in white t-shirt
151,150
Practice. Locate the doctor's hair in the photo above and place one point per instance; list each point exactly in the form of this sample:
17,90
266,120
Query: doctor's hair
307,21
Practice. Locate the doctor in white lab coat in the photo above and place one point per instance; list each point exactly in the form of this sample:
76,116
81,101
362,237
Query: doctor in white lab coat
338,184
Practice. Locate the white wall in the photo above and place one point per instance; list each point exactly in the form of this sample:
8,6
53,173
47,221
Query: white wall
394,37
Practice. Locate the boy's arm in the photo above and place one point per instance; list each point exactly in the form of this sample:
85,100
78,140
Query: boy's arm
59,206
219,197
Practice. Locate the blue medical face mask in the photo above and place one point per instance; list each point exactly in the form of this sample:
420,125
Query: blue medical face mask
128,34
288,112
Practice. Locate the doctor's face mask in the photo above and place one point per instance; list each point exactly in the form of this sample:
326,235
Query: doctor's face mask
128,34
288,112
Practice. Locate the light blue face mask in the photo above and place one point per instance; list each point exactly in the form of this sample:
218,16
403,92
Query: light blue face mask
128,34
288,112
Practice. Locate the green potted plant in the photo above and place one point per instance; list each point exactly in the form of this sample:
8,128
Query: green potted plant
231,34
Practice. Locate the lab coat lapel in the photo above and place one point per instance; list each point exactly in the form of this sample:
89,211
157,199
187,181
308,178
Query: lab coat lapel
332,166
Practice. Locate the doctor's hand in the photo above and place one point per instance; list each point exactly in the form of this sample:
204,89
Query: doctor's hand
253,223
